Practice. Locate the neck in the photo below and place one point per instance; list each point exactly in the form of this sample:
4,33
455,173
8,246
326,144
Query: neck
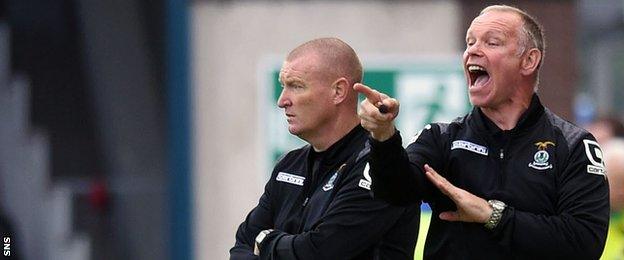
335,130
507,115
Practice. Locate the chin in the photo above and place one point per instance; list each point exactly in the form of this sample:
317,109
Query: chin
293,130
482,101
477,102
297,131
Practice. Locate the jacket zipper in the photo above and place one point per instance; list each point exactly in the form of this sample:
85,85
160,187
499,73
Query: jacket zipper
307,199
503,160
501,156
307,190
311,191
303,210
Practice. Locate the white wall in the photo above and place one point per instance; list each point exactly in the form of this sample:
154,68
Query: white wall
229,40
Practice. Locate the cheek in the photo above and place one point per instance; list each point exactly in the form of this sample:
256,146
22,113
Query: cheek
306,103
314,102
316,99
504,70
308,107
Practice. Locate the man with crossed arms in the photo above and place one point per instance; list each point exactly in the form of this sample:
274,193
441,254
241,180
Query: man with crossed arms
317,203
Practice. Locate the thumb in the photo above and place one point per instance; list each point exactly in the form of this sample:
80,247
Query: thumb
449,216
391,106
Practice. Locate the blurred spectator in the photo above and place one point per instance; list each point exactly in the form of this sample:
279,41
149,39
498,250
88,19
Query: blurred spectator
614,155
606,127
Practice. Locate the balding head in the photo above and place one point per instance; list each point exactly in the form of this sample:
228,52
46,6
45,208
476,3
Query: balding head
531,34
613,153
336,57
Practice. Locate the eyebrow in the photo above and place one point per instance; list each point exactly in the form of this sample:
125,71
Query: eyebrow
290,80
492,33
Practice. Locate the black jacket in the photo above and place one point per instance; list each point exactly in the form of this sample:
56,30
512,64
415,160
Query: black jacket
329,214
549,172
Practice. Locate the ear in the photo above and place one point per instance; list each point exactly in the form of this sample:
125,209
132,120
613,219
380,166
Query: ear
340,89
531,61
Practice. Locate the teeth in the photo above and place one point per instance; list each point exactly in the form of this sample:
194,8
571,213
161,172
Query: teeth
473,68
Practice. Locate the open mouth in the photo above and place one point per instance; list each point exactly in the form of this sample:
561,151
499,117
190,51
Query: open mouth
478,75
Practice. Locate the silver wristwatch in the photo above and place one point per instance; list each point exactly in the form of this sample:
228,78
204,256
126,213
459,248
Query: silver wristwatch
497,213
259,238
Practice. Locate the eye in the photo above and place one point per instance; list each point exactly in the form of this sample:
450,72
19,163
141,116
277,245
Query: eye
294,86
493,42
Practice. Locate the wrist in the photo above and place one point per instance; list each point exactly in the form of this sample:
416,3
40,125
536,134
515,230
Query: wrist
383,135
487,213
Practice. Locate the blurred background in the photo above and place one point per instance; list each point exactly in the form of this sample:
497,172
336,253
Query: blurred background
135,129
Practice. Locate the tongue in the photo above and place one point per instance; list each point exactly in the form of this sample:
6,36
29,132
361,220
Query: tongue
481,80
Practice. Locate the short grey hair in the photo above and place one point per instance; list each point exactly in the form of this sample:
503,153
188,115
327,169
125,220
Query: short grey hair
335,53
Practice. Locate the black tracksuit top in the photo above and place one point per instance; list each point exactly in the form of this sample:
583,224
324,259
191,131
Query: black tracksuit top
548,171
328,214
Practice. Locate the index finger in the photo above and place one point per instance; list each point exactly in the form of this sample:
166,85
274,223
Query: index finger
442,183
372,95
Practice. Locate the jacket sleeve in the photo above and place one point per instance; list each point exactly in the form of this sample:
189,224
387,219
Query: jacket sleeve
352,223
579,228
260,218
398,174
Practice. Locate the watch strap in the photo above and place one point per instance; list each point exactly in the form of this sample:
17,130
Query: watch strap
497,213
259,239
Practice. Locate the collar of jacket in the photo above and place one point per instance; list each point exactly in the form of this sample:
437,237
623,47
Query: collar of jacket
527,120
340,151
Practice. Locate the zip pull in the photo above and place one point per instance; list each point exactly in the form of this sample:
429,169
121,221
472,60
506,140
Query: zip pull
305,202
502,153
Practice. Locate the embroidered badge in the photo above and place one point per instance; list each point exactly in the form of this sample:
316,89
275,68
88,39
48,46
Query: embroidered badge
469,146
290,178
330,184
366,182
540,159
594,154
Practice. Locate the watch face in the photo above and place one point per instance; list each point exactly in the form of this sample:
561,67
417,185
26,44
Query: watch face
261,236
497,204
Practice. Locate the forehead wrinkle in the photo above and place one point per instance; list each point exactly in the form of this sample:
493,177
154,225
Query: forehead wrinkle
290,80
291,73
499,28
497,34
311,66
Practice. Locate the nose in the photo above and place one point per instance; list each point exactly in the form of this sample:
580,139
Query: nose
283,101
473,49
